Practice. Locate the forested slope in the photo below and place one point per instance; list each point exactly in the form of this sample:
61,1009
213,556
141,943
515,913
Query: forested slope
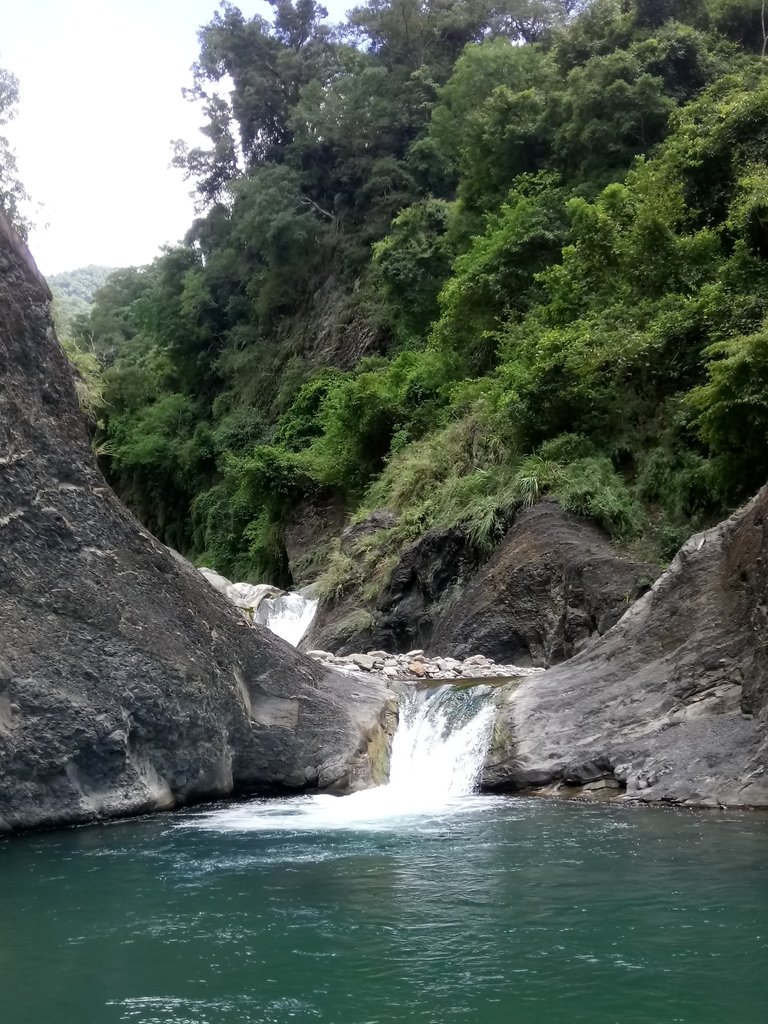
451,257
73,292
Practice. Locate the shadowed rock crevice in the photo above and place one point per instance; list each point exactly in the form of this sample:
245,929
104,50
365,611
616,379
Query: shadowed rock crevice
126,682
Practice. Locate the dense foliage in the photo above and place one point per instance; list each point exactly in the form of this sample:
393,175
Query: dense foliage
452,256
14,200
73,292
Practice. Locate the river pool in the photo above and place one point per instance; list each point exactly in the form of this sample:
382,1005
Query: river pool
485,910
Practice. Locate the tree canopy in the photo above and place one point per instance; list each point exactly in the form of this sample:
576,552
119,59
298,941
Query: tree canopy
452,256
13,195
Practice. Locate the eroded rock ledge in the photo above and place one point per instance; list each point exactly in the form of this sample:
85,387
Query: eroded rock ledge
672,703
127,684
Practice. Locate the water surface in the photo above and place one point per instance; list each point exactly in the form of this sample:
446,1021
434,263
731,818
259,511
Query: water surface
484,910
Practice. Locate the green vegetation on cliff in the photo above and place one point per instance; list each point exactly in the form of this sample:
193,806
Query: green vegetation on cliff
14,199
451,257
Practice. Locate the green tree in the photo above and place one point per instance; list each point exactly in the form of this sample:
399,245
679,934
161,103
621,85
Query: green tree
13,196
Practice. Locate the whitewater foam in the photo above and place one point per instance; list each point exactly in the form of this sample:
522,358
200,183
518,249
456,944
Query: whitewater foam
437,757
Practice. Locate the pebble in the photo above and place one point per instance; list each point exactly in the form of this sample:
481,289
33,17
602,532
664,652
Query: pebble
415,665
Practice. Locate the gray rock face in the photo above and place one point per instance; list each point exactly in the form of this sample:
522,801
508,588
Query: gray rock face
672,703
379,519
403,616
127,683
553,583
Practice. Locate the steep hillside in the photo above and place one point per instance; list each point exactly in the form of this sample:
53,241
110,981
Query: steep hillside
451,258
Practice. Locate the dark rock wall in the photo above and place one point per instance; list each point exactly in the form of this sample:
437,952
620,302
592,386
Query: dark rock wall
403,617
126,682
553,583
672,703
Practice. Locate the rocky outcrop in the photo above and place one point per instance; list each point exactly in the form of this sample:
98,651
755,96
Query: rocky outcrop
310,527
404,611
672,703
248,597
553,583
127,683
351,535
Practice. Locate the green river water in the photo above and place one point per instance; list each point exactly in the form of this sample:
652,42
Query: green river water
486,910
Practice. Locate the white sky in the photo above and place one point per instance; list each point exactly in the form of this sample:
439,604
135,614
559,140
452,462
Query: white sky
100,84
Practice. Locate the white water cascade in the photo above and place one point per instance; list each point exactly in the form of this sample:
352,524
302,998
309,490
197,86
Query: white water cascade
288,615
440,743
437,757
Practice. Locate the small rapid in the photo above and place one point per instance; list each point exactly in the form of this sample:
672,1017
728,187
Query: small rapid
288,615
437,756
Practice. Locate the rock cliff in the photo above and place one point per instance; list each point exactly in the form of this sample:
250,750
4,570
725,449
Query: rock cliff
672,703
127,684
553,583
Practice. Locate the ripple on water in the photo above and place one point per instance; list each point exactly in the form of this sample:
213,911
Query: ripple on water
487,911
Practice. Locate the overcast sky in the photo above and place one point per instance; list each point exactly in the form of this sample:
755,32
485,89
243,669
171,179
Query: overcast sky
101,99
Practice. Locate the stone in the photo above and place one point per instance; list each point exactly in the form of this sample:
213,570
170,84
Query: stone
554,584
364,661
417,668
320,655
379,519
412,655
672,702
137,685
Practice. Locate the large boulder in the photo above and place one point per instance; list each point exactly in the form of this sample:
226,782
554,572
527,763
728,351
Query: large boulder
127,683
672,703
553,583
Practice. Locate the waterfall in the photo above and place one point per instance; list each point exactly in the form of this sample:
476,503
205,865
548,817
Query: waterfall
437,757
288,615
441,742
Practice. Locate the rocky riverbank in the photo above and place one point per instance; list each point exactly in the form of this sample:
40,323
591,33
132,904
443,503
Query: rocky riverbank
415,666
671,704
